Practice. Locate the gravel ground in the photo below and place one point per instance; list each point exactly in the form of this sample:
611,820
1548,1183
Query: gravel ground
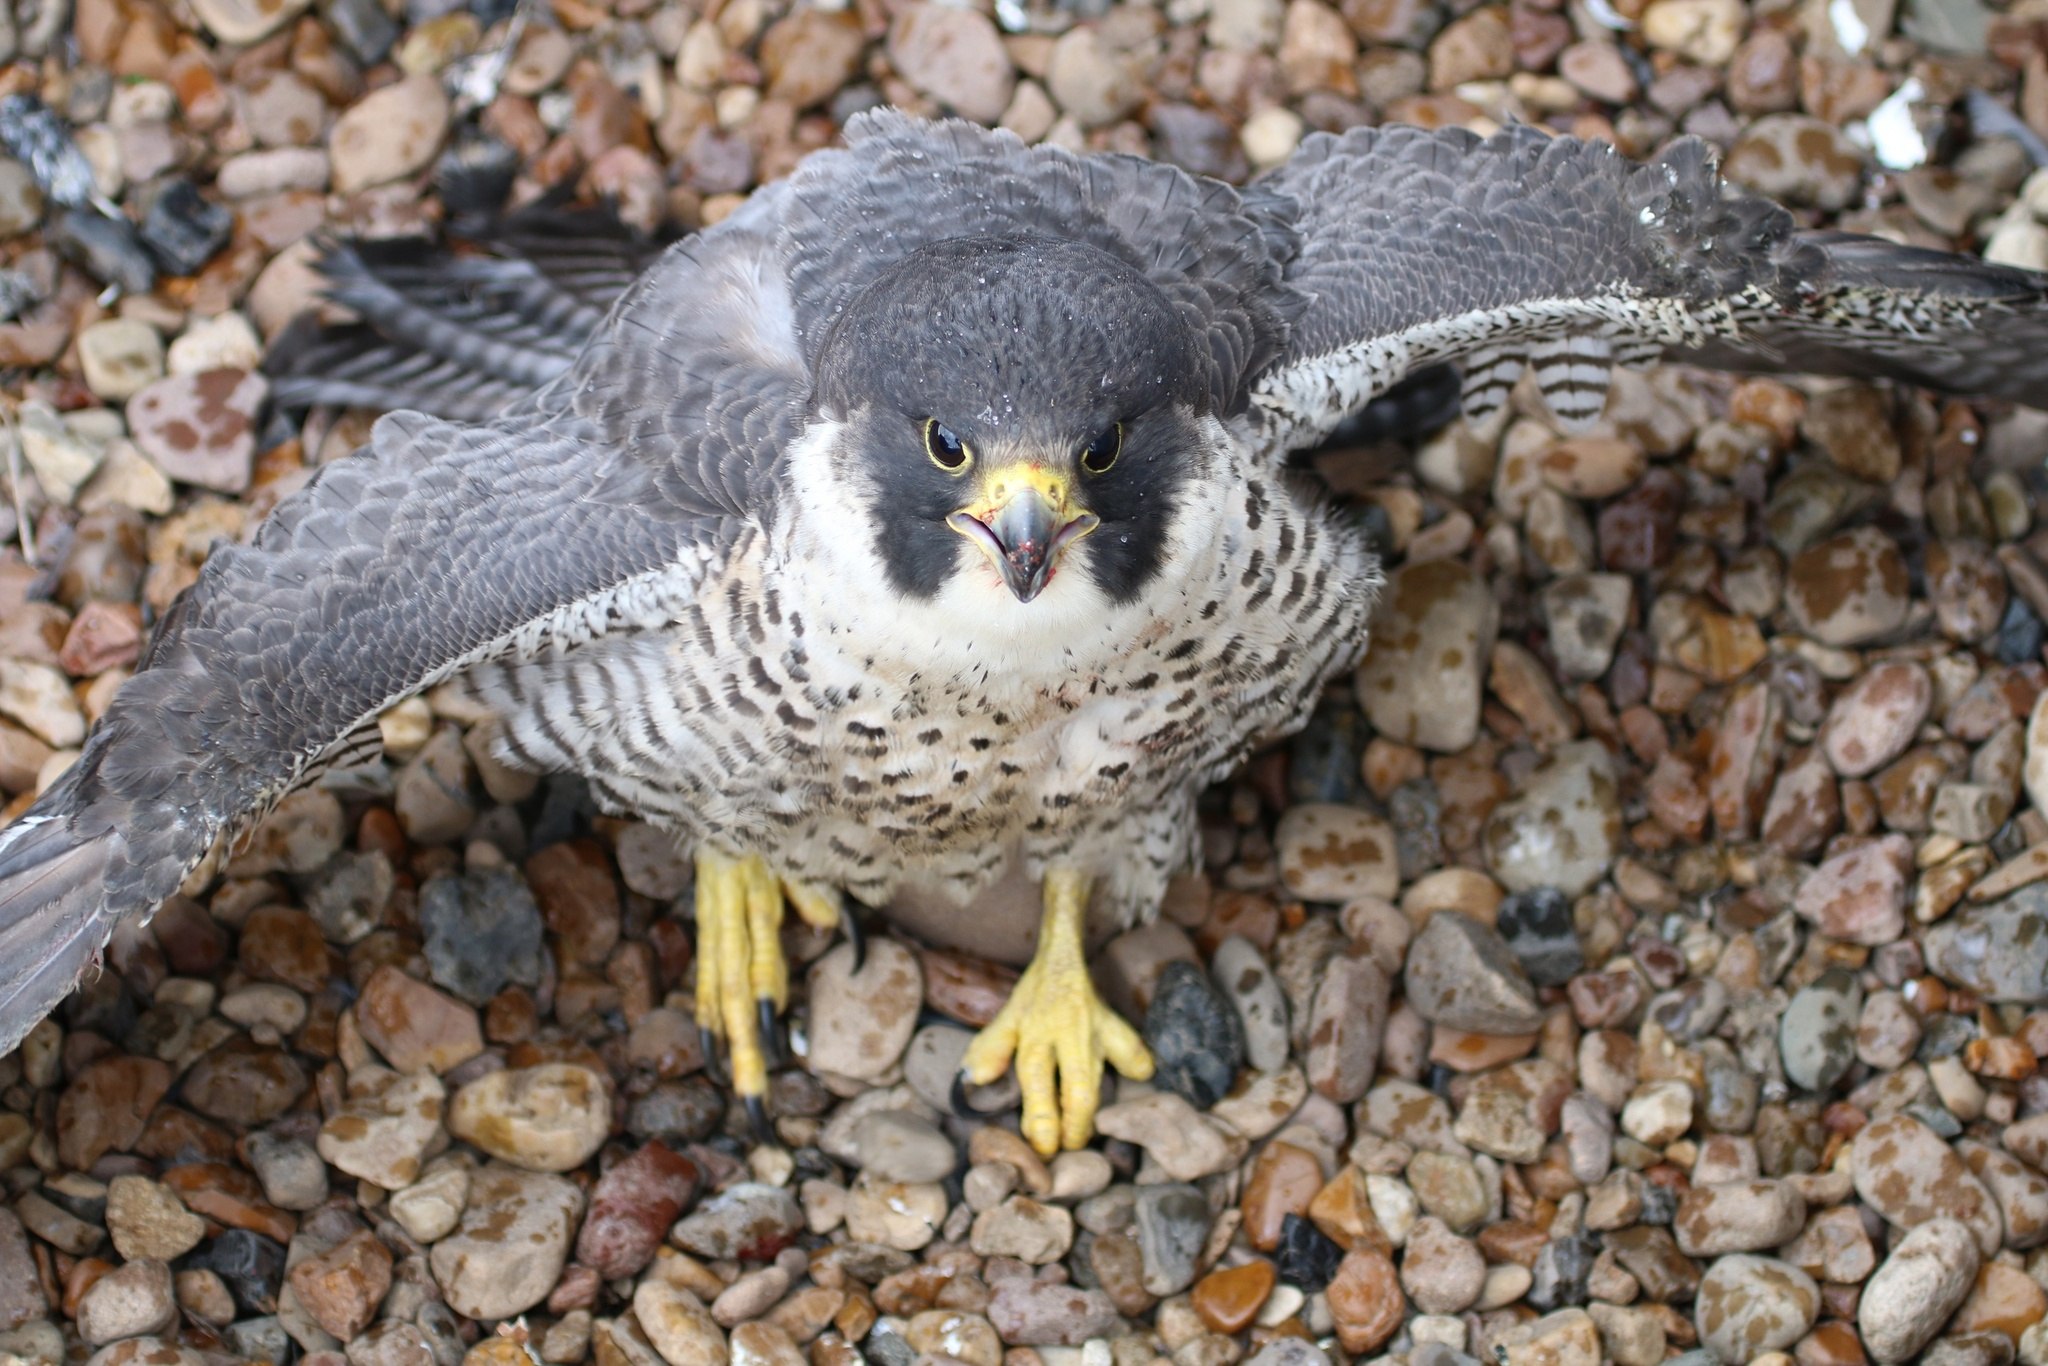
1645,957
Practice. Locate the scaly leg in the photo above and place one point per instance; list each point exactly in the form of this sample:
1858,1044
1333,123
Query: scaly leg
742,977
1054,1021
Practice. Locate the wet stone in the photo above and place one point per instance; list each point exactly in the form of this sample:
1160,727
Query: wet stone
1196,1038
1738,1216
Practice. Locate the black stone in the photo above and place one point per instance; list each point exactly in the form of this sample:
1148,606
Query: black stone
1660,1205
1561,1272
363,27
36,137
251,1264
483,931
1944,1036
676,1111
1537,926
183,230
1196,1039
1305,1257
104,248
1322,760
2019,633
884,1346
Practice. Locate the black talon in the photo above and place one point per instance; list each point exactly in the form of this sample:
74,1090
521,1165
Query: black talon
774,1048
957,1098
855,936
708,1041
757,1120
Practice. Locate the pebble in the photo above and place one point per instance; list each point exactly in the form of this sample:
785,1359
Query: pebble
120,357
1461,974
1859,894
1173,1227
292,1174
751,1221
1021,1227
1442,1273
414,1026
2020,1190
1568,1337
678,1325
389,134
861,1022
1998,950
1817,1035
1738,1216
1875,718
129,1301
1537,927
1186,1144
382,1131
1336,853
1365,1300
342,1287
1347,1026
1421,683
1905,1172
1849,589
509,1250
1797,160
1089,80
1248,983
548,1118
200,428
897,1145
1923,1282
632,1207
148,1221
431,1207
483,932
243,22
1563,829
1034,1313
955,56
1748,1305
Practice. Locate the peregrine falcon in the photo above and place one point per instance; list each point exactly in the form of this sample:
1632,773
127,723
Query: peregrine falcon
931,516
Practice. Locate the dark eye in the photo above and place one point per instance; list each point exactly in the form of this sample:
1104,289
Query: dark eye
1098,455
945,447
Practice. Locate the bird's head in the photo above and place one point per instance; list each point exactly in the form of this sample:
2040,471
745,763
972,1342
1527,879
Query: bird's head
1014,415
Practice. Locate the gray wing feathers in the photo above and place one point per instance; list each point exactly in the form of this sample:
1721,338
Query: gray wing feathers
435,548
1418,247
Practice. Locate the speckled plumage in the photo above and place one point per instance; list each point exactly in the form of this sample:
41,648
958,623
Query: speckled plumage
691,566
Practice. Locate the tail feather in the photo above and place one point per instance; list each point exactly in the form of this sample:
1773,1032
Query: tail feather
56,871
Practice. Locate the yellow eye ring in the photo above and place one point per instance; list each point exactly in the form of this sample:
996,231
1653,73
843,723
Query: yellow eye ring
1099,455
945,447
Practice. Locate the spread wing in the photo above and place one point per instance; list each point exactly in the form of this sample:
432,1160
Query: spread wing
460,334
436,547
1522,250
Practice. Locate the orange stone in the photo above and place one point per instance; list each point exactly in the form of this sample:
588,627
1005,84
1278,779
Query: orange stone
1464,1052
230,1196
1342,1211
2006,1300
1229,1300
1833,1343
1365,1299
1284,1180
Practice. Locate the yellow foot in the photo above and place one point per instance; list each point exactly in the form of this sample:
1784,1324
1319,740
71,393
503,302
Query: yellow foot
1054,1022
742,977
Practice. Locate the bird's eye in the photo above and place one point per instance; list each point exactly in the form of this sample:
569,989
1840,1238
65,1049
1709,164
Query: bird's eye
945,447
1098,455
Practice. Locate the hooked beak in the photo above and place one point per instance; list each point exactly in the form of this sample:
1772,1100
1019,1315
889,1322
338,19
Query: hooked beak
1022,525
